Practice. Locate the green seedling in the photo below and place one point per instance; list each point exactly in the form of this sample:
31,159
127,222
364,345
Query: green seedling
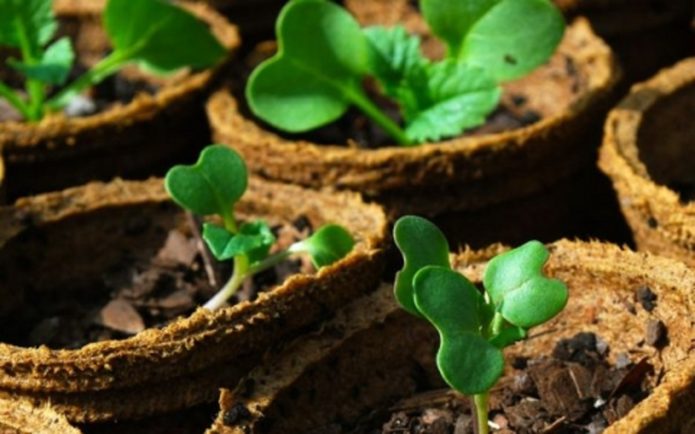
474,326
153,34
212,187
324,58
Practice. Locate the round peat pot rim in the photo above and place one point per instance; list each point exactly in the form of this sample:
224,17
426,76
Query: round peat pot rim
619,155
142,107
619,268
46,370
359,169
22,416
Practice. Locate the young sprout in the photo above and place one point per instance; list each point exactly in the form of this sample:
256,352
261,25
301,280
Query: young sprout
213,186
324,57
154,34
474,327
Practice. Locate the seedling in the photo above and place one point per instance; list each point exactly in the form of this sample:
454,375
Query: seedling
212,187
324,58
154,34
474,327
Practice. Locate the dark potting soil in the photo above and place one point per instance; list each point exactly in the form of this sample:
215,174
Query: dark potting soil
138,295
573,391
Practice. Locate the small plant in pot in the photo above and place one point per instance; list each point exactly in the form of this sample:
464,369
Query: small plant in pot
124,270
474,327
213,186
62,93
478,127
324,57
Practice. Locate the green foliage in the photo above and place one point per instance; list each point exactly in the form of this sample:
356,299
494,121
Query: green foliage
254,240
322,55
213,185
160,36
327,245
421,243
324,58
155,34
473,327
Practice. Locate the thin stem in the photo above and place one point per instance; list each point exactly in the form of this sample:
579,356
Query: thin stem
14,100
374,112
107,66
268,262
35,88
230,222
497,324
241,268
480,402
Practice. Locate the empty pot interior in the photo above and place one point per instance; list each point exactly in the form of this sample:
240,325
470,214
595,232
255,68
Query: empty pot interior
666,141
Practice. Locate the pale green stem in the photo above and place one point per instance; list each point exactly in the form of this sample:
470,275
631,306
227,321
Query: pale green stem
374,112
497,324
14,100
481,412
35,88
268,262
241,267
107,66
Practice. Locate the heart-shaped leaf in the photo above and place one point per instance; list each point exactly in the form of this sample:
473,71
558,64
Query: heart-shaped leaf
452,20
213,185
327,245
321,60
421,243
253,240
514,37
520,290
460,97
467,361
160,36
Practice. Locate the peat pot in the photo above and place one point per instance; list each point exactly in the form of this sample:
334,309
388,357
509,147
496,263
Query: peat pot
87,273
373,359
647,152
563,99
159,122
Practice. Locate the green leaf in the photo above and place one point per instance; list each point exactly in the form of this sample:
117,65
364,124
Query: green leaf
55,65
460,97
321,59
514,37
31,20
421,243
467,362
399,66
508,336
519,289
213,185
452,20
160,36
327,245
254,240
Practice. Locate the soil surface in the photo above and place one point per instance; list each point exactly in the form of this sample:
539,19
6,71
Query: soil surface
574,390
189,421
116,89
138,295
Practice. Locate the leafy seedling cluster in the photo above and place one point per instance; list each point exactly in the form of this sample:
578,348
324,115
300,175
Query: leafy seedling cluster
324,58
212,187
474,327
154,34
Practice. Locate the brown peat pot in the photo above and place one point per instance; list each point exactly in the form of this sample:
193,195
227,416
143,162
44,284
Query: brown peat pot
373,354
648,154
465,173
63,256
139,138
20,416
